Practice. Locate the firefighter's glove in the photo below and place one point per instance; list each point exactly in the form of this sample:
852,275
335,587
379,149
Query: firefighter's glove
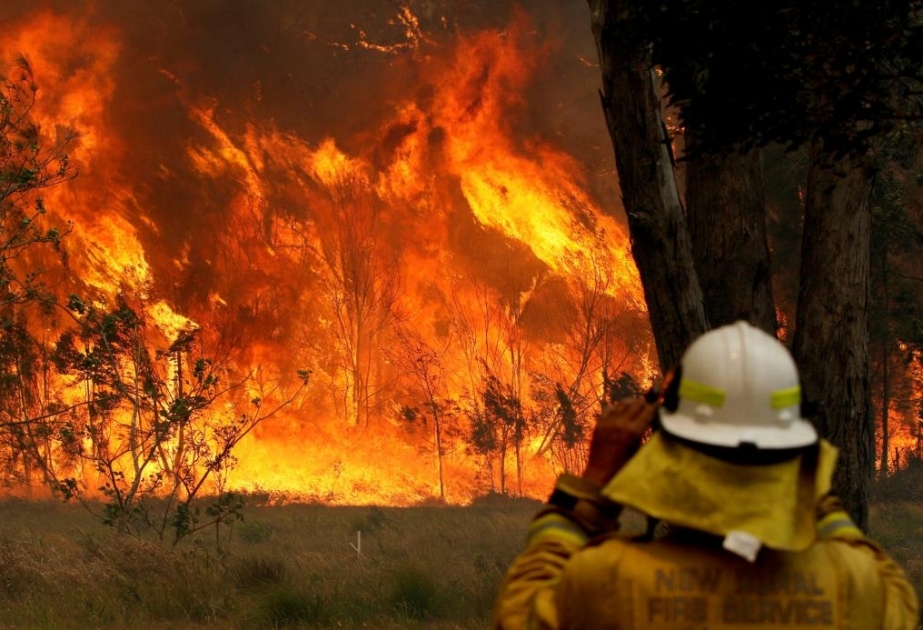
616,438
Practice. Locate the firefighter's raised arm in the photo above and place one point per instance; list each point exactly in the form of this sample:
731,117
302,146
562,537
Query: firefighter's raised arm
617,437
575,511
742,481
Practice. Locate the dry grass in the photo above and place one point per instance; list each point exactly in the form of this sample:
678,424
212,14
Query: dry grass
897,521
291,567
283,566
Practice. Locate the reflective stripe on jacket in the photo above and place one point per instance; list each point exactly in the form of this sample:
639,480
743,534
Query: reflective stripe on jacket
843,581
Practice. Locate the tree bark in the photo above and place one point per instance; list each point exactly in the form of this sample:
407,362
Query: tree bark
831,332
660,242
726,211
831,342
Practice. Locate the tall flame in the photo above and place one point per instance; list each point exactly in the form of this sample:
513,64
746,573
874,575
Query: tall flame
436,220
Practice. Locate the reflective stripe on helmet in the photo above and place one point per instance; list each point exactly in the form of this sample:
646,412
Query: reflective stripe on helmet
788,397
701,393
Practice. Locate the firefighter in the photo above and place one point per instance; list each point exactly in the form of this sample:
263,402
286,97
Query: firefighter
739,482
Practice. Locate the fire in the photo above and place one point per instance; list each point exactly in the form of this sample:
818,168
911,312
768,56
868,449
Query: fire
77,92
905,410
406,260
532,193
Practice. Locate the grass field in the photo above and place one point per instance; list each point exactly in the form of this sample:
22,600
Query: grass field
297,566
283,566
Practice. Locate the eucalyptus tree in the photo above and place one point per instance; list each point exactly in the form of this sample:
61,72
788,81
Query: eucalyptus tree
829,76
32,160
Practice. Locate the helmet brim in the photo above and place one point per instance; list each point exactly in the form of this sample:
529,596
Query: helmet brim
798,434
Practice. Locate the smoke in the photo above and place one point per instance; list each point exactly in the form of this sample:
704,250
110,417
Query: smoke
316,70
220,137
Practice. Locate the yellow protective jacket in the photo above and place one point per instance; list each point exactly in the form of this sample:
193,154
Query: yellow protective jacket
688,581
798,561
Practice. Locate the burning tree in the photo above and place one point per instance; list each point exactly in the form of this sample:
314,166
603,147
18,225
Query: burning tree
30,162
309,226
497,425
600,339
564,430
156,428
495,347
896,329
362,285
149,426
426,375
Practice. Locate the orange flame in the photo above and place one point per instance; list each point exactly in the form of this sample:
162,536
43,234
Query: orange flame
480,236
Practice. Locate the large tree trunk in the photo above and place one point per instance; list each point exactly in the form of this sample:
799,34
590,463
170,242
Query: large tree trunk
726,211
831,333
660,240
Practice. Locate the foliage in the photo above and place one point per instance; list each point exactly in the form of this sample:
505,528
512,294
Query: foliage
29,163
149,426
564,429
426,377
739,72
497,426
622,386
415,594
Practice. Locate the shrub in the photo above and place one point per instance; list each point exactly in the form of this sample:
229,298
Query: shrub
259,571
414,594
287,605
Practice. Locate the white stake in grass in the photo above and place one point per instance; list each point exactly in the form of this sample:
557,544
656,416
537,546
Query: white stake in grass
358,545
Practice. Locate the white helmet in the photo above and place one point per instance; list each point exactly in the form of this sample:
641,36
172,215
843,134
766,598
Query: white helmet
738,385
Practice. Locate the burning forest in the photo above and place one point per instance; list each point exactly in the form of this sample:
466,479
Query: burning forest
362,254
